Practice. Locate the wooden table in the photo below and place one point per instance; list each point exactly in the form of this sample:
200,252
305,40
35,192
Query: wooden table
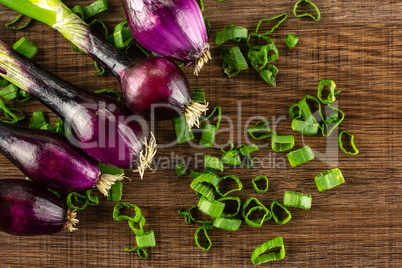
358,224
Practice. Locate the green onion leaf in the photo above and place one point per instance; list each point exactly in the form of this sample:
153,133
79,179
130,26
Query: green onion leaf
352,143
259,132
258,256
291,40
233,60
297,200
231,32
25,48
275,217
307,14
300,156
180,169
269,75
257,179
211,208
229,224
284,15
38,120
307,128
84,200
213,162
329,179
8,25
100,70
258,36
182,130
282,143
204,228
198,95
257,223
11,117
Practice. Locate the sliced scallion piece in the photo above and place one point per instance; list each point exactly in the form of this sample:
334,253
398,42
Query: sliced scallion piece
11,117
9,92
333,120
269,74
9,25
352,143
25,48
208,130
284,15
282,143
305,127
248,149
112,92
331,96
91,10
204,228
260,130
182,130
231,32
180,169
213,162
297,200
229,224
198,95
230,198
257,179
275,217
146,239
257,223
211,208
141,223
300,156
307,14
204,190
329,179
291,40
259,57
233,60
258,256
116,212
233,177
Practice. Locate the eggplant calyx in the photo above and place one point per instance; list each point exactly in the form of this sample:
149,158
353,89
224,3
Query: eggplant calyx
201,60
193,113
147,156
106,181
71,220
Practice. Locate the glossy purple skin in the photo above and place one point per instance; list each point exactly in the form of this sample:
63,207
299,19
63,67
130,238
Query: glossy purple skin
102,127
170,28
153,81
48,158
26,208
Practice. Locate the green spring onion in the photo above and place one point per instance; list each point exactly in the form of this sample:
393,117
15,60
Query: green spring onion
213,162
307,14
204,228
284,15
291,40
211,208
329,179
260,131
180,169
304,111
116,192
248,149
331,96
275,217
269,74
140,222
258,256
260,178
8,25
198,95
84,200
116,212
146,239
305,127
297,200
233,60
91,10
352,143
231,32
182,130
229,224
25,48
230,198
282,143
300,156
257,223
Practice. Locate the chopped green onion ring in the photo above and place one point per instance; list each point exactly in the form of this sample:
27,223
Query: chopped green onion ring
233,60
284,15
198,95
307,14
91,10
259,178
8,25
258,36
248,149
331,96
257,223
208,135
211,208
330,120
291,40
232,198
10,92
297,200
258,256
352,143
259,58
305,127
11,117
25,48
282,143
116,192
236,179
329,179
300,156
109,92
231,32
146,239
204,228
269,74
275,217
141,223
180,169
182,130
213,162
116,212
204,190
229,224
259,132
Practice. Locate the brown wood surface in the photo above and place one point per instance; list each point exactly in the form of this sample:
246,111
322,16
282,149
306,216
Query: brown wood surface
358,224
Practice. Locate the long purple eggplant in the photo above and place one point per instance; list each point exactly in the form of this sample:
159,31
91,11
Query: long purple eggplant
48,158
101,126
27,208
159,82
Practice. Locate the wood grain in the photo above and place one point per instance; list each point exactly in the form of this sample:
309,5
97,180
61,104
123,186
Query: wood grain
359,224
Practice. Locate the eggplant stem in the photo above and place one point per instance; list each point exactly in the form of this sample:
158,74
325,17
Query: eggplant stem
71,216
201,60
106,181
147,156
193,113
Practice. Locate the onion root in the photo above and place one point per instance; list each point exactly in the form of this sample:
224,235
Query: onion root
71,216
147,156
106,181
193,113
200,61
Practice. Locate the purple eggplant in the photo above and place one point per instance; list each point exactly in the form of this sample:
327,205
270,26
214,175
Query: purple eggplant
171,28
101,126
48,158
158,81
26,208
